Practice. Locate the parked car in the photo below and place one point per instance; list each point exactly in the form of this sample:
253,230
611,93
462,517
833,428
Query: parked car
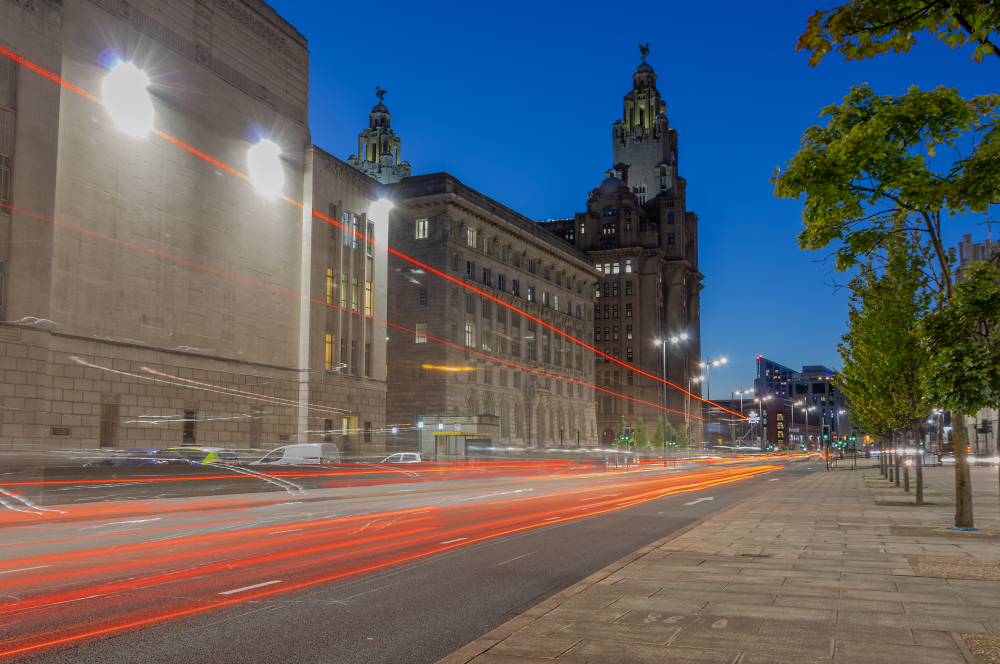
303,454
200,456
408,457
142,457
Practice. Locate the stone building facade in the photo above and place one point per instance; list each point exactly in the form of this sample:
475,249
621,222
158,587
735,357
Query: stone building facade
456,352
153,295
644,243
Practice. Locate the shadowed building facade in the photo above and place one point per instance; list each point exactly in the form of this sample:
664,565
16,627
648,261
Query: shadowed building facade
644,243
465,353
152,295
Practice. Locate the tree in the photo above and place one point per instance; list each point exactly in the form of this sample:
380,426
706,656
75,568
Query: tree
620,440
683,439
882,352
871,175
865,28
964,370
640,437
660,436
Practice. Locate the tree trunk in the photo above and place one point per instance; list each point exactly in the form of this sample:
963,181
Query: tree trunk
906,475
918,460
883,460
963,482
895,452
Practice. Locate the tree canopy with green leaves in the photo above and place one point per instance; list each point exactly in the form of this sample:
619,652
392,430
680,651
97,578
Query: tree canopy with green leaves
640,437
873,173
865,28
660,436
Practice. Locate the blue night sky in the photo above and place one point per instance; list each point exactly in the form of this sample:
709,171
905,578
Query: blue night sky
517,100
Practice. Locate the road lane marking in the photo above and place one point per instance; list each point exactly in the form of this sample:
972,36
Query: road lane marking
700,500
513,559
258,585
551,518
455,540
292,530
773,480
23,569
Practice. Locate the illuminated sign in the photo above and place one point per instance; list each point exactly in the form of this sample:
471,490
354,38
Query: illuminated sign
754,418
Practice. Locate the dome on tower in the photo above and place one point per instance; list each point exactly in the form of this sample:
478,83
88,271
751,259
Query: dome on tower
380,108
644,68
610,186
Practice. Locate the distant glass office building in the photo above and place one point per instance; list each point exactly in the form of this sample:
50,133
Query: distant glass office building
772,379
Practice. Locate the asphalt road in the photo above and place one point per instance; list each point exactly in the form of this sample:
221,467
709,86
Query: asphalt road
416,610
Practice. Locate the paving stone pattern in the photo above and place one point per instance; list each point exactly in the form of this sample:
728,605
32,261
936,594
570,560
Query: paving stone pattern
807,571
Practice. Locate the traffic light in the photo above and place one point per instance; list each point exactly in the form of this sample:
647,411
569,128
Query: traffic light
826,432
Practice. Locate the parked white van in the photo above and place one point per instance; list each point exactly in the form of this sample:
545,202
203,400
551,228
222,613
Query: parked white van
309,453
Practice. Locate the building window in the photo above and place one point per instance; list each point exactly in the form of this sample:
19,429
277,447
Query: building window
670,217
514,288
343,291
583,228
628,377
470,336
327,429
368,360
501,315
354,294
614,293
421,371
190,417
487,276
555,302
545,298
343,352
628,332
615,337
614,311
421,333
368,432
7,73
5,180
370,244
628,287
597,313
503,377
470,306
628,352
616,267
346,234
471,237
354,357
531,293
517,379
488,375
628,310
328,363
670,238
616,382
356,233
421,296
609,211
421,230
368,298
484,306
2,270
531,265
472,374
628,265
500,282
329,286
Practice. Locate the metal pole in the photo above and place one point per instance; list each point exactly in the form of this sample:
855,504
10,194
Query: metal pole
664,375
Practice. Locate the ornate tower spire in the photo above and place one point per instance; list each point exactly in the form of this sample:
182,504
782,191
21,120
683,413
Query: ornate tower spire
379,151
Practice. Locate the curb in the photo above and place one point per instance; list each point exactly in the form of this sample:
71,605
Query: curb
482,644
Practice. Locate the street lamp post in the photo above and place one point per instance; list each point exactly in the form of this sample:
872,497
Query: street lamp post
578,436
420,433
687,406
662,343
394,432
708,384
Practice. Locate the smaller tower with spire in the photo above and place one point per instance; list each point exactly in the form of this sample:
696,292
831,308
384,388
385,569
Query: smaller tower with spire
379,147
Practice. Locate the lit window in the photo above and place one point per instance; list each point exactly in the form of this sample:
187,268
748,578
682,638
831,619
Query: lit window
421,333
346,234
354,294
471,237
329,286
329,352
370,244
368,298
470,336
583,228
343,291
616,268
421,230
628,265
354,235
628,332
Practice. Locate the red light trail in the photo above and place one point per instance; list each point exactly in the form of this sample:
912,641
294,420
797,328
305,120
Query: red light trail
87,591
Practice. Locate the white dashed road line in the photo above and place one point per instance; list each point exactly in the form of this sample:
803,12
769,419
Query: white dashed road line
455,540
258,585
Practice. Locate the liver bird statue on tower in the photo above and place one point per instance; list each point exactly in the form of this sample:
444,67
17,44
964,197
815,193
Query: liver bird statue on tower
380,93
644,50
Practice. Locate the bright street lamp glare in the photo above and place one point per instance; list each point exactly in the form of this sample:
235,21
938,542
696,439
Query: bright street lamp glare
379,210
684,336
266,173
127,100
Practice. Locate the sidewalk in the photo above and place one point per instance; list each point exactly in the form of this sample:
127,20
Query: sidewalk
825,567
